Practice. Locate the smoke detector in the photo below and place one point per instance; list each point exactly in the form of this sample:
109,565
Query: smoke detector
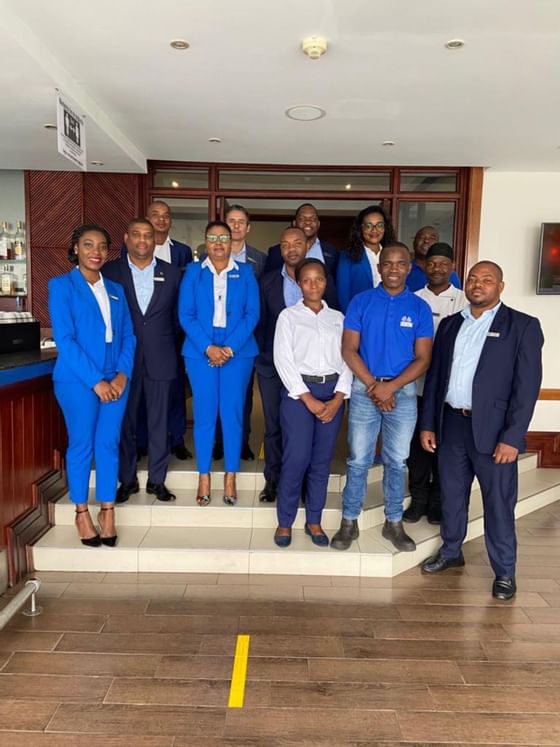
314,47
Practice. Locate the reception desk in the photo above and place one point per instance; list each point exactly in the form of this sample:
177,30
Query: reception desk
32,438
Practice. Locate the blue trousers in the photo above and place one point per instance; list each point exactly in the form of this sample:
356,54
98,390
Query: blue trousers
459,462
271,392
309,446
218,390
93,432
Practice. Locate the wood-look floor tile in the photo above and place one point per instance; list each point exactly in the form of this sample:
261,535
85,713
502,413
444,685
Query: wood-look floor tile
138,720
211,607
124,643
548,615
367,648
478,599
552,600
220,667
237,592
494,728
17,739
53,687
69,577
439,631
314,610
306,626
50,621
350,696
495,699
95,606
275,580
190,692
365,595
522,651
171,624
108,590
103,664
522,674
298,723
399,671
265,645
18,715
522,573
13,640
534,632
433,613
479,583
183,579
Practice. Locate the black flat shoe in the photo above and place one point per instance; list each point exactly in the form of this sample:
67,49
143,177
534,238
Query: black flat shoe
126,489
181,452
504,587
414,513
268,493
433,515
108,541
94,541
160,491
247,453
437,563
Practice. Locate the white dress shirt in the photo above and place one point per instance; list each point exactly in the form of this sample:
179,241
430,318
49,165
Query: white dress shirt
310,344
163,251
220,290
373,259
100,294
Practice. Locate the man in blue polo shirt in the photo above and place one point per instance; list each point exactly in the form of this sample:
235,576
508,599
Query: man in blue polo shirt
387,343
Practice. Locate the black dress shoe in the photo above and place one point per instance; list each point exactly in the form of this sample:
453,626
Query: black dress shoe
125,490
218,451
268,493
347,533
181,452
246,452
437,563
504,587
433,515
394,532
160,491
414,512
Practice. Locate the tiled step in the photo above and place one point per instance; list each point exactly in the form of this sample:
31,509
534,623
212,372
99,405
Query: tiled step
165,544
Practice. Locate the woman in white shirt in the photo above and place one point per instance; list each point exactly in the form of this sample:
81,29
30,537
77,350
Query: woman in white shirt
307,356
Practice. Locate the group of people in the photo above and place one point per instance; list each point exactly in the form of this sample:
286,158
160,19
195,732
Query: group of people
319,327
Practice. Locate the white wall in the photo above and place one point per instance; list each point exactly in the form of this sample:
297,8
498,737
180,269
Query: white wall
513,207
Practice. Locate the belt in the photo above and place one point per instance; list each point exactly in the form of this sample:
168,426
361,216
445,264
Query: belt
384,378
319,379
460,411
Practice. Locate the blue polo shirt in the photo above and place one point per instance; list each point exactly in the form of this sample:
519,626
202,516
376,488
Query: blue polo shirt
417,279
388,327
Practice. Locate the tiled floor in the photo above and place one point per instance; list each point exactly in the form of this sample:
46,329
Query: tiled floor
144,660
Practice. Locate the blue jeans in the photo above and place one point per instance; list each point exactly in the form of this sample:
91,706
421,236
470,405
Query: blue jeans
365,420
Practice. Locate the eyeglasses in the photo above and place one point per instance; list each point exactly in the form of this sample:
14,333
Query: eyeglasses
368,226
212,238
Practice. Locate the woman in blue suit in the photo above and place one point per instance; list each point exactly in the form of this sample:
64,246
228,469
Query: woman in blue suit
218,309
95,344
357,267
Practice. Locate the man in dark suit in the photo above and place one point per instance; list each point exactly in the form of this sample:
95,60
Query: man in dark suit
152,287
278,291
479,398
307,219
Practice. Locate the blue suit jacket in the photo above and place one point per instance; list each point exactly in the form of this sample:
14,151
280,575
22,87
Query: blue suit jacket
272,303
79,330
274,259
352,278
196,310
156,330
255,259
506,382
181,254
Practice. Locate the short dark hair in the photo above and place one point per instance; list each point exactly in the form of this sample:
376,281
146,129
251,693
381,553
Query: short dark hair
306,262
77,234
219,224
138,221
303,205
356,248
495,265
293,228
240,209
395,245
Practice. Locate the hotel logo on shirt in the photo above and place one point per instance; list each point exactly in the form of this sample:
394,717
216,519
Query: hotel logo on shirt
406,321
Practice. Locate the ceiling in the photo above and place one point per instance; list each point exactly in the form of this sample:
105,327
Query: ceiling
386,76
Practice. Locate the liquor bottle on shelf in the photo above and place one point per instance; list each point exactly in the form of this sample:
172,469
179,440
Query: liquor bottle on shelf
19,241
4,241
8,281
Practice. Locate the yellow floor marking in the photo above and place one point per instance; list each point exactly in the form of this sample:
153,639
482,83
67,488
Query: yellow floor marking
261,452
239,672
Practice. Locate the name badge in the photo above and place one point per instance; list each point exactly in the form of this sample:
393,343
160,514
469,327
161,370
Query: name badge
233,277
115,298
159,280
406,321
493,334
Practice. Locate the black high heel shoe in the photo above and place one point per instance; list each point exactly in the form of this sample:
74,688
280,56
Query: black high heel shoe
94,541
109,541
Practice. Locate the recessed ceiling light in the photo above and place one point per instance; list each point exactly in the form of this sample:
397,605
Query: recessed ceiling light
49,126
214,140
179,44
174,184
96,163
388,142
348,186
455,44
305,112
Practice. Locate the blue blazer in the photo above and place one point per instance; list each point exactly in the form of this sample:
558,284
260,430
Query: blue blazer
196,311
255,259
352,278
272,304
156,330
79,330
506,382
181,254
331,254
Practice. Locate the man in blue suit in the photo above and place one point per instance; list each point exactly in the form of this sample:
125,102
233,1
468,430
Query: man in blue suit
152,287
479,398
307,219
278,291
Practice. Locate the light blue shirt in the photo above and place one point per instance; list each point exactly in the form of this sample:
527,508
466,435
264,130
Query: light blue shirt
315,251
242,256
292,291
468,347
143,283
